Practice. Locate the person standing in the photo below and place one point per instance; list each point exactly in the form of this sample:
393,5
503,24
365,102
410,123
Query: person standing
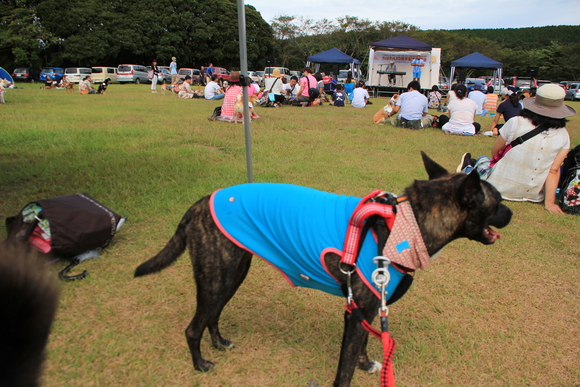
155,74
209,71
418,65
173,70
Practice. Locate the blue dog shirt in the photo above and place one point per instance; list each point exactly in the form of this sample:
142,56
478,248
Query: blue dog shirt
292,228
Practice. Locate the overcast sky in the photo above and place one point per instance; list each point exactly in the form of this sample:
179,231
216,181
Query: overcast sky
433,14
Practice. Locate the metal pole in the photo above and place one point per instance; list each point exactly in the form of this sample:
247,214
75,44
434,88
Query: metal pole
244,72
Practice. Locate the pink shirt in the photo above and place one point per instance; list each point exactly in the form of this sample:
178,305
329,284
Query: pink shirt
304,84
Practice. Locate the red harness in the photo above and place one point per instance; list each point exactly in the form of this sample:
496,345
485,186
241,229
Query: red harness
368,207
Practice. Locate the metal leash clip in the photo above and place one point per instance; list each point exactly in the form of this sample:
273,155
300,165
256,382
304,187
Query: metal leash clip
381,278
348,274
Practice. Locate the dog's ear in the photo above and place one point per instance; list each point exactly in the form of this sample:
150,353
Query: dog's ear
433,169
470,189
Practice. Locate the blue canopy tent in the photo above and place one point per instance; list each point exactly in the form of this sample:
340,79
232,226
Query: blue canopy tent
477,60
334,56
6,75
401,43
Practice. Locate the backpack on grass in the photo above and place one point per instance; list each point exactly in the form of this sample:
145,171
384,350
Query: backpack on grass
74,227
569,186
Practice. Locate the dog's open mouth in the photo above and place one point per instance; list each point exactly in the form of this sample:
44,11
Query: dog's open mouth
490,235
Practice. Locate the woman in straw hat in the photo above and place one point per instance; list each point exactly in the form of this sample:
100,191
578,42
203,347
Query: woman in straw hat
531,170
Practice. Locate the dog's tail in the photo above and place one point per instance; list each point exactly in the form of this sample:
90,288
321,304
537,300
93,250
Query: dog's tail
172,250
28,303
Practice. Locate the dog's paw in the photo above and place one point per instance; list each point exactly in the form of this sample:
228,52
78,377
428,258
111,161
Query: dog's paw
204,365
312,383
375,366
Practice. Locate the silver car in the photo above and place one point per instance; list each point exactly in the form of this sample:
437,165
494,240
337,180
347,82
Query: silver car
573,91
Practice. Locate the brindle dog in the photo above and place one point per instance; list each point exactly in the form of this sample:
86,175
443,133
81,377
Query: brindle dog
446,207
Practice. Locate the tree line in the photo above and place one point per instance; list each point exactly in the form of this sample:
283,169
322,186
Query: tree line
36,33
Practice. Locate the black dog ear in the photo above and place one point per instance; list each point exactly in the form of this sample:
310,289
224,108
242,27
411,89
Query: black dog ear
433,169
470,189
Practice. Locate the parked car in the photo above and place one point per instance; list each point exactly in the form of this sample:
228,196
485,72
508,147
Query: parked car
566,83
77,74
296,73
342,74
195,75
100,73
573,91
469,82
254,76
542,82
55,73
166,74
222,74
443,83
522,82
284,72
132,73
25,74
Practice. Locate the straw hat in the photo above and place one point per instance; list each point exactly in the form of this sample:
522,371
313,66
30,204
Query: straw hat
549,102
276,73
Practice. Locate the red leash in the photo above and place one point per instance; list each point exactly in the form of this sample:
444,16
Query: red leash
389,345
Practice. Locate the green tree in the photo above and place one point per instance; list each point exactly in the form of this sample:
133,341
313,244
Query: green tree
22,37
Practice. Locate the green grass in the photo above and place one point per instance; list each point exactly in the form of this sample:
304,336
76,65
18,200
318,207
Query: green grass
502,315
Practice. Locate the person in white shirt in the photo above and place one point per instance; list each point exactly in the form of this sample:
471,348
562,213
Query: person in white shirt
212,90
360,96
531,170
413,108
479,98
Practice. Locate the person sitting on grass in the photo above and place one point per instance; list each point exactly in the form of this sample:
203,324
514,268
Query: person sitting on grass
360,96
509,108
85,86
531,170
234,88
185,88
413,108
461,119
339,96
490,100
212,90
306,82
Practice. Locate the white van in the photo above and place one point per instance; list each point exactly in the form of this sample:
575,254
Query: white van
132,73
101,73
77,74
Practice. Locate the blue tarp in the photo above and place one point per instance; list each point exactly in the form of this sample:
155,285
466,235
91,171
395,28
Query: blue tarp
334,55
476,60
6,75
401,42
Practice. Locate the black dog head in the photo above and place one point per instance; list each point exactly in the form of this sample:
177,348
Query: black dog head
451,206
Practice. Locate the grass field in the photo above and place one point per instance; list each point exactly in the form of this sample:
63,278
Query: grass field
501,315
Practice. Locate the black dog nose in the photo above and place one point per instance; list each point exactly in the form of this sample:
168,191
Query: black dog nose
502,217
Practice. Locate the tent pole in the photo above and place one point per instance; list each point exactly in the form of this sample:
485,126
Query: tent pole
244,71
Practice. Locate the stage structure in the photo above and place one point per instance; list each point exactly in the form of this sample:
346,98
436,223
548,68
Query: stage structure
401,50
